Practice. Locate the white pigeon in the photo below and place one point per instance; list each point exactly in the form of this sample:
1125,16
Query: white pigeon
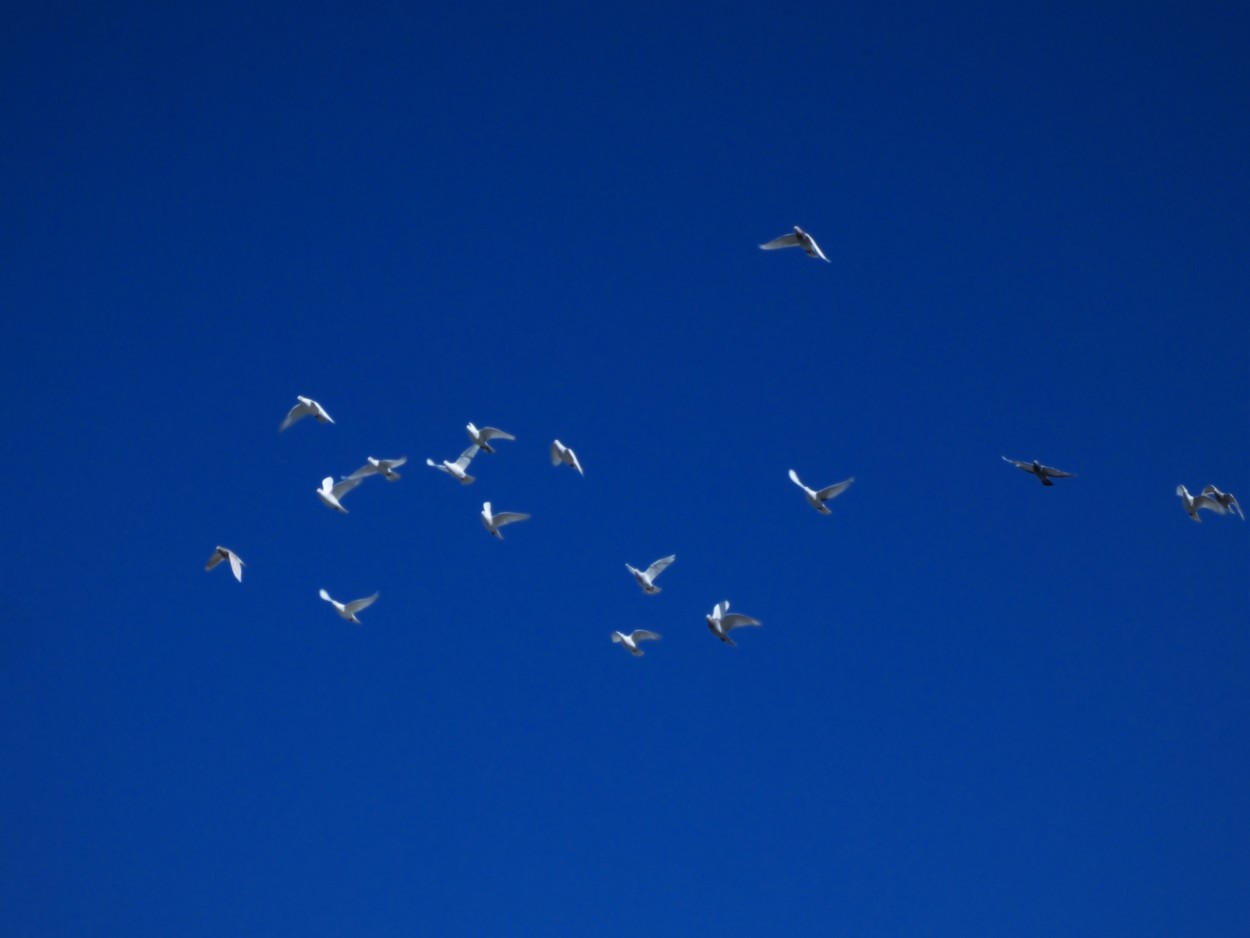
385,467
1224,498
800,239
1045,473
332,493
562,454
722,622
817,498
225,553
631,640
646,579
457,469
1193,502
480,437
493,522
348,610
301,410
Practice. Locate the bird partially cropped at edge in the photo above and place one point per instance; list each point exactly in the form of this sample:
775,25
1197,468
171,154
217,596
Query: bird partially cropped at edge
817,497
306,406
1045,473
646,578
631,640
480,437
348,610
225,553
1224,498
800,239
721,622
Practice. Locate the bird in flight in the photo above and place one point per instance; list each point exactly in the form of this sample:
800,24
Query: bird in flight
722,622
562,454
646,578
480,437
225,553
331,493
817,498
301,410
457,469
1193,502
800,239
631,640
493,522
348,610
1045,473
373,466
1224,498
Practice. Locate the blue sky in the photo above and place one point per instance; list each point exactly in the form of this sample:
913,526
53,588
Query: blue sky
976,706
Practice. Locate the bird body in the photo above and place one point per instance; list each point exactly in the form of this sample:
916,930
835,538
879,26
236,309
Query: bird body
373,466
493,522
562,454
348,610
306,406
331,493
457,469
1192,503
1045,473
480,437
721,622
225,553
817,497
646,578
800,239
631,640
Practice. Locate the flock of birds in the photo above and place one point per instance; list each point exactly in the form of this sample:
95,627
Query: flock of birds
720,621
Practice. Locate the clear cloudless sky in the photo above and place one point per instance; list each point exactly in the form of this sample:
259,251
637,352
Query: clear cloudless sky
976,707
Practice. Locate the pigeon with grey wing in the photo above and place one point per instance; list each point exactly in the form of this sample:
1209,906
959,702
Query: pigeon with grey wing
800,239
721,622
646,578
225,553
1224,498
306,407
1045,473
631,640
817,497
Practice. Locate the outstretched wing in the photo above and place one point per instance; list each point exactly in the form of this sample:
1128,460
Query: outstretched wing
218,557
299,410
785,241
343,486
494,433
507,517
572,458
645,635
794,477
659,566
362,472
1056,473
236,565
813,249
357,604
556,449
467,456
1026,466
736,621
324,595
833,491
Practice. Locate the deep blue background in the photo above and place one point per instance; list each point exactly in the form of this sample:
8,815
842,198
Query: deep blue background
976,707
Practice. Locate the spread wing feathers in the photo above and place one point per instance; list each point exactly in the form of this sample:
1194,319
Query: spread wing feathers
217,558
833,491
659,566
297,412
357,604
1026,466
236,566
1057,473
785,241
467,456
556,457
794,477
639,635
736,621
343,486
324,595
494,433
507,517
